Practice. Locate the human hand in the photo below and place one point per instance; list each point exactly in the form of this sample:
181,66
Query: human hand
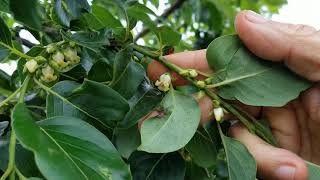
296,126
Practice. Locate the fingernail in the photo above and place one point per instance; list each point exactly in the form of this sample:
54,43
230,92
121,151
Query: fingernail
254,17
285,172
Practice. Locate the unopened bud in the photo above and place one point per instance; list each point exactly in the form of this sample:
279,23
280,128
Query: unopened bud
71,55
184,72
58,57
193,73
201,84
51,48
218,113
32,65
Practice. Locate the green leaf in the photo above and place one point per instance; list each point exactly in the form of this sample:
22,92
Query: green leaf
314,171
168,36
141,12
127,140
4,53
127,74
202,149
195,172
141,104
4,6
241,164
5,34
3,126
68,148
251,80
100,17
174,127
5,81
91,40
100,72
98,101
169,166
68,10
27,12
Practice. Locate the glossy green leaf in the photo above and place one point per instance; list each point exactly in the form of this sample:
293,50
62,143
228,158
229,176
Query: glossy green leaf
5,34
75,8
169,166
202,149
100,72
100,17
27,12
241,164
251,80
141,12
127,74
98,101
91,40
314,171
174,128
68,148
141,104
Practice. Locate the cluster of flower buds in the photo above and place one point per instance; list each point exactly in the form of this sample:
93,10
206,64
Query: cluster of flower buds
63,56
192,73
164,82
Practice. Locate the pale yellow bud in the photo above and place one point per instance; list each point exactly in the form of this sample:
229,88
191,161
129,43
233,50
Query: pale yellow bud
218,113
193,73
31,65
164,82
70,54
51,48
58,57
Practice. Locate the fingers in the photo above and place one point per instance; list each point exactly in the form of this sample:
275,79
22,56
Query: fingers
296,45
191,59
273,163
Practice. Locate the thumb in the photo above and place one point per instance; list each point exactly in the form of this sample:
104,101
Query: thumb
297,46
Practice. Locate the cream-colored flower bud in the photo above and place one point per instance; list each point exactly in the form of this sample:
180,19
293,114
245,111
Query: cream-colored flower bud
32,65
47,71
51,48
193,73
164,82
58,57
218,113
201,84
70,54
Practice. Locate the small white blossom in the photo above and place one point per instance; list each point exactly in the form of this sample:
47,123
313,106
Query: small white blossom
164,82
218,113
71,55
58,57
32,65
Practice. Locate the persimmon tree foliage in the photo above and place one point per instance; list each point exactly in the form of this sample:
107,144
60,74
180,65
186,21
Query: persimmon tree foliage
71,108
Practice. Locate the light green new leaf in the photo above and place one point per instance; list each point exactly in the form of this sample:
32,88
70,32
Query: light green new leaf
241,164
314,171
68,148
202,149
168,36
27,12
174,128
251,80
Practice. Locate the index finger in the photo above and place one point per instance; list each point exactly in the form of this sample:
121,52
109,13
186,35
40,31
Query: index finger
189,60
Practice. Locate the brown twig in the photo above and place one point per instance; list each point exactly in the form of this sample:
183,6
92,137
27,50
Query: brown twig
165,15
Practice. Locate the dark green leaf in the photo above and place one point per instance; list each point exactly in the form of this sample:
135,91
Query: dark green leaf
68,148
195,172
168,36
174,127
314,171
241,164
68,10
127,140
169,166
202,149
4,52
144,101
3,126
4,6
90,40
100,72
5,34
127,74
27,12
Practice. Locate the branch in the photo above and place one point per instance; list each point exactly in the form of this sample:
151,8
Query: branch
165,15
24,42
